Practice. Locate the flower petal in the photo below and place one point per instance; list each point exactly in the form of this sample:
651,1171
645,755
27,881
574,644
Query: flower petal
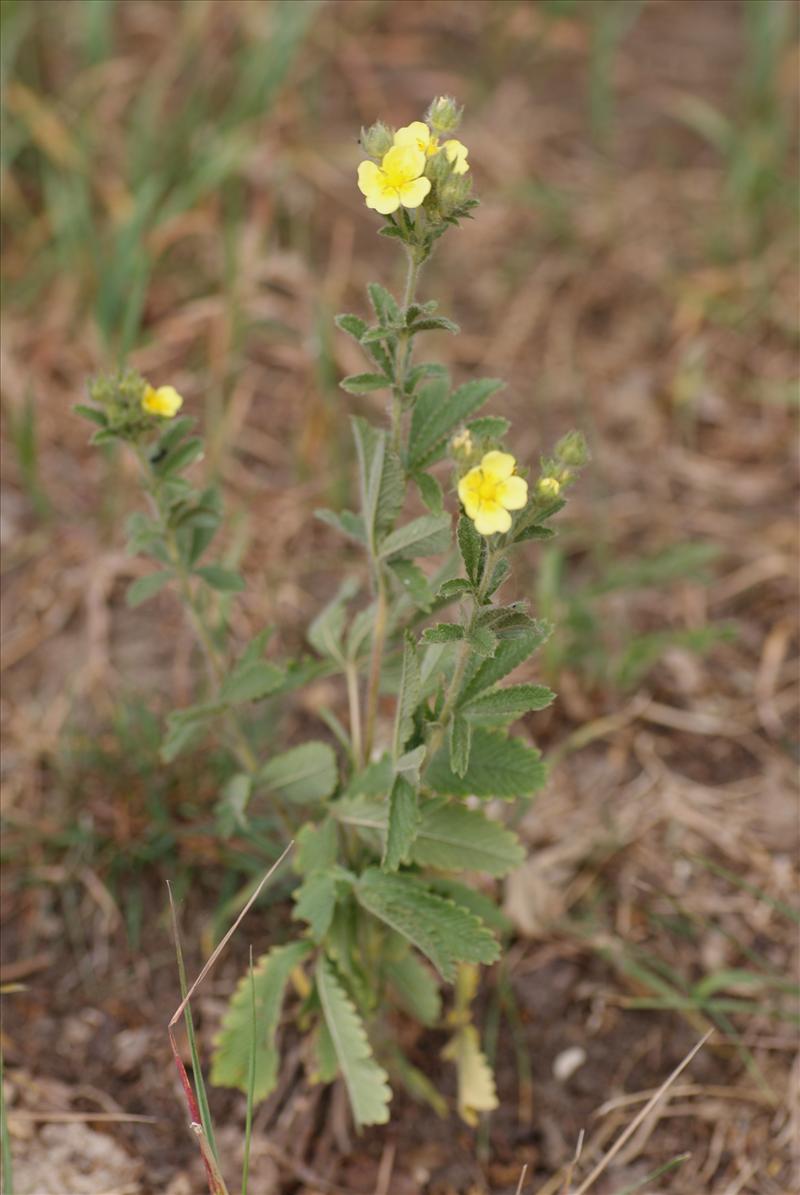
402,163
385,201
457,153
498,465
412,194
416,134
369,176
491,518
513,493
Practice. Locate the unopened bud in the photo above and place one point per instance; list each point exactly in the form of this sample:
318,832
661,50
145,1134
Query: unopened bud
572,449
453,191
548,487
444,114
377,139
462,446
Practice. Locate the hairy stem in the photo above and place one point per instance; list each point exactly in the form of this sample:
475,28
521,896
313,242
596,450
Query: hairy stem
376,661
403,354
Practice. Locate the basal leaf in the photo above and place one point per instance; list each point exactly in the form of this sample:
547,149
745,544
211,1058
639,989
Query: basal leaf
304,774
231,1061
366,1082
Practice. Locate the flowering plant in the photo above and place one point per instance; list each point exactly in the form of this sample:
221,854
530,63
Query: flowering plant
385,826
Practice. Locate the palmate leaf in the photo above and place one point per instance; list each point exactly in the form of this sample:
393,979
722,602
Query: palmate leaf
508,655
453,838
366,1082
230,1065
443,931
498,767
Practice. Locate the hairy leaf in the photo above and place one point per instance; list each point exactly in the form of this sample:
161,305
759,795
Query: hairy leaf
303,774
473,549
444,932
415,988
435,417
498,767
364,383
366,1082
503,705
460,740
509,654
231,1061
453,838
402,824
443,632
409,695
425,536
317,846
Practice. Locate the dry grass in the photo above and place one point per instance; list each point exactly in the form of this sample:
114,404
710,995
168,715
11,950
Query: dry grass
622,277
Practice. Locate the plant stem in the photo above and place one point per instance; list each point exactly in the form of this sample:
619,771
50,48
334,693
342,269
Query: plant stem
376,661
403,352
354,704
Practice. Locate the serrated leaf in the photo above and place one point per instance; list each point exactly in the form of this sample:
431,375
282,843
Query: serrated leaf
460,741
366,1082
433,323
223,579
451,837
443,632
303,774
498,767
473,899
364,383
425,536
472,547
534,531
384,304
454,589
414,582
316,847
402,824
354,325
231,1061
408,696
144,588
416,988
380,479
444,932
489,427
251,681
482,640
436,416
430,491
345,521
377,335
327,1065
315,900
499,574
509,654
502,705
426,369
476,1087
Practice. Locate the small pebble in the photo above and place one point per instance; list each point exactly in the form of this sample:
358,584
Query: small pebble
567,1062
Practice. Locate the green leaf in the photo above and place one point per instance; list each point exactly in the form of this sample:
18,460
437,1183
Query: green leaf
325,632
473,549
251,681
473,899
482,640
408,696
223,579
445,933
430,491
426,369
402,824
303,774
415,988
534,531
489,427
436,416
384,305
460,740
414,582
509,654
453,838
432,324
425,536
179,458
443,632
380,477
143,588
231,1061
379,334
327,1066
366,1082
316,847
344,521
498,767
503,705
230,809
364,383
179,736
315,900
93,414
454,589
352,324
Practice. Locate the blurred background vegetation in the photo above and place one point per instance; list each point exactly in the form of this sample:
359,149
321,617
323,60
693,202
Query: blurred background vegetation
178,193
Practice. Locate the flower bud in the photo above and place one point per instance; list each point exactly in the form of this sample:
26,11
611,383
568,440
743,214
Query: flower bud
462,446
377,139
444,114
452,192
548,487
572,449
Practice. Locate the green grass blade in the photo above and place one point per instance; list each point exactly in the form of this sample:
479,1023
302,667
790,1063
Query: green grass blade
5,1141
251,1082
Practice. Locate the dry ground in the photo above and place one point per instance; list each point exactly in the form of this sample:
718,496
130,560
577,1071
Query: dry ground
626,276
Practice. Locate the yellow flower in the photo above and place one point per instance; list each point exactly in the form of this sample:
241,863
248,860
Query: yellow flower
457,153
490,490
165,401
418,135
397,180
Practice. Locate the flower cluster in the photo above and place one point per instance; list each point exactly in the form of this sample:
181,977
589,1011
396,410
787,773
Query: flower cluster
412,166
